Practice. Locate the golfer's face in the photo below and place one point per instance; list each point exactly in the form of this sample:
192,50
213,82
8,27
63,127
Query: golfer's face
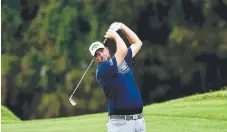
101,55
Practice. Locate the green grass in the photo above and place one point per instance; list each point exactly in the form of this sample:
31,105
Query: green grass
198,113
7,116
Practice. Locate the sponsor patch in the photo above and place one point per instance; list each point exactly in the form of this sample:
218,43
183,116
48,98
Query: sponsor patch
123,67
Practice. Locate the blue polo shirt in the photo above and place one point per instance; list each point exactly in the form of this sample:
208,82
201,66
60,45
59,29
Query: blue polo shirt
119,86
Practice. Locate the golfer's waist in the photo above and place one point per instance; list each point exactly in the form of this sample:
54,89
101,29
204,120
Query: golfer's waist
126,111
126,117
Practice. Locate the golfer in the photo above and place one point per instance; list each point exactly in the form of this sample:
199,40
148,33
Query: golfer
114,74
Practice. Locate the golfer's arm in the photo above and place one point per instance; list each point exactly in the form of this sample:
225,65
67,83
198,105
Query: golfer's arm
136,43
121,49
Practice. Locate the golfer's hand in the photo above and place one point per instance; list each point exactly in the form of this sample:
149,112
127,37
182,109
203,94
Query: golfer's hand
116,26
110,34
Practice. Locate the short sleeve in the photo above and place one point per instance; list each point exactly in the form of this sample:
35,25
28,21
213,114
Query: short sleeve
128,57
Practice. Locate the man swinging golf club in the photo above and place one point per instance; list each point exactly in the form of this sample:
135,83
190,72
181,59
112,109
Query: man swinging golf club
115,76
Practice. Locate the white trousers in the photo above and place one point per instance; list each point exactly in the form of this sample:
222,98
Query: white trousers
122,125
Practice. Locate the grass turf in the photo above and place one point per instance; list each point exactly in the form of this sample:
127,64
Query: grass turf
7,116
198,113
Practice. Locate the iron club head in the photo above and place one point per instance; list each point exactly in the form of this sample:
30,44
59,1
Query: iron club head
73,102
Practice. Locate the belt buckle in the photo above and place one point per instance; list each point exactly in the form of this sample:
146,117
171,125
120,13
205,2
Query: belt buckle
134,117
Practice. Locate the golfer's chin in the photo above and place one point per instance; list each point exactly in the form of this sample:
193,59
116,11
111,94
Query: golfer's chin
104,59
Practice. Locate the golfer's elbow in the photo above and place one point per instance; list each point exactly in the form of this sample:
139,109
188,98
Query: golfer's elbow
140,43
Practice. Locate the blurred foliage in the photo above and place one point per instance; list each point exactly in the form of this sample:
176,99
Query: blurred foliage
45,51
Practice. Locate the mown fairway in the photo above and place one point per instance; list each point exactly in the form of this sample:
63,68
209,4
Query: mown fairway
198,113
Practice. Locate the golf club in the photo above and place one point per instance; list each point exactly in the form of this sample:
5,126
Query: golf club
73,102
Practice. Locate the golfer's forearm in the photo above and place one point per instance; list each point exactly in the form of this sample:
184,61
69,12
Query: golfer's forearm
131,36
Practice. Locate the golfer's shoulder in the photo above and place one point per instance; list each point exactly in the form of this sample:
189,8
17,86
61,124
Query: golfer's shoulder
104,67
106,64
100,72
100,69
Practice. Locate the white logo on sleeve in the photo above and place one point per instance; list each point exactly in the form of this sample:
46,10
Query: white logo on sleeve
123,67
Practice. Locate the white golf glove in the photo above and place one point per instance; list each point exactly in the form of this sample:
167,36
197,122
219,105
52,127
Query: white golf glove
116,26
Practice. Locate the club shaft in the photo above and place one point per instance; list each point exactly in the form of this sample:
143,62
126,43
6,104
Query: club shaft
82,78
104,41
